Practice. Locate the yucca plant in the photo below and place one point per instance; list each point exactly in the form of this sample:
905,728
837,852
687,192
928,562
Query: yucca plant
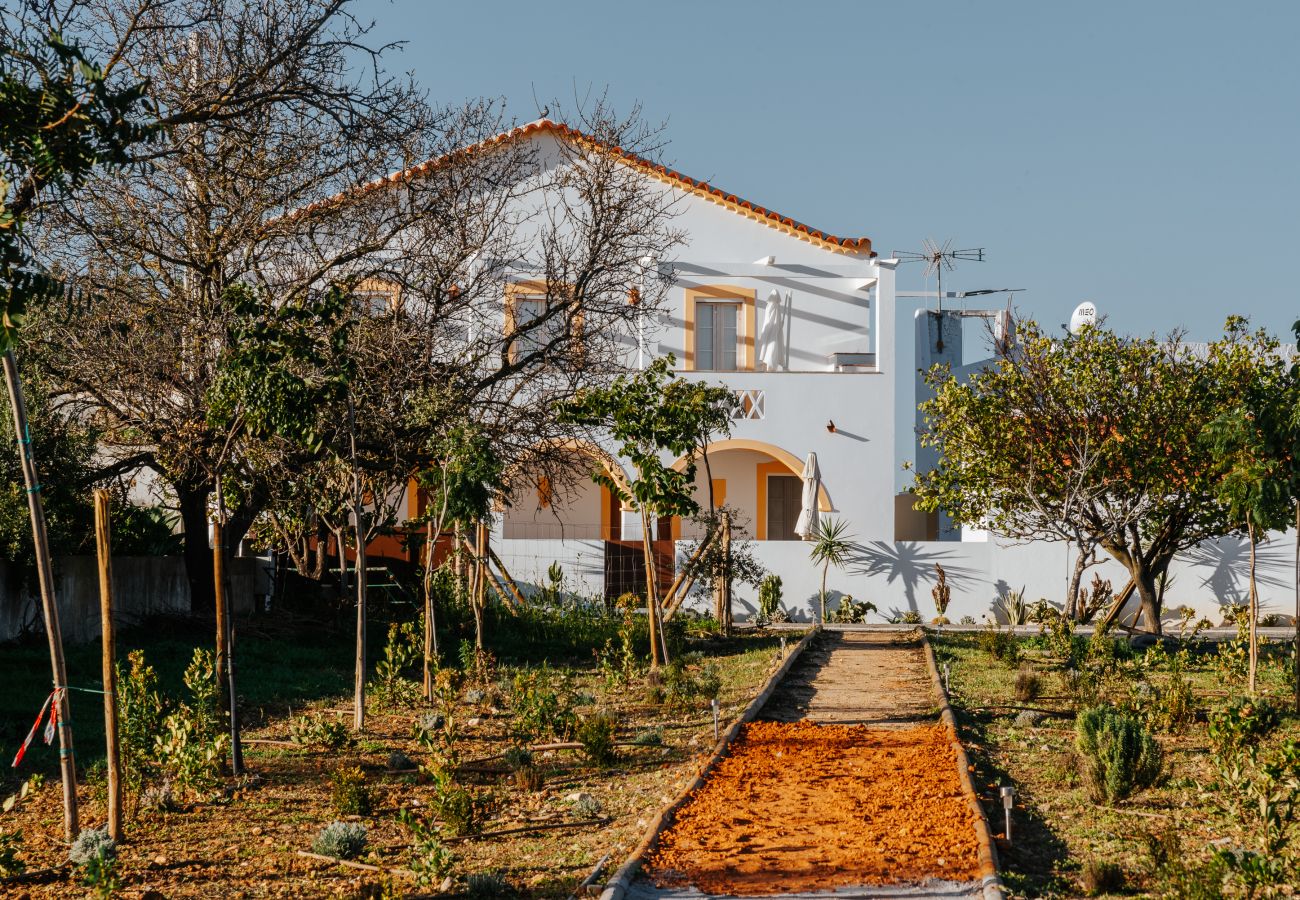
832,546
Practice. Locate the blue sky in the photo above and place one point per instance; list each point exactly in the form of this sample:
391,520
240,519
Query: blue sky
1141,155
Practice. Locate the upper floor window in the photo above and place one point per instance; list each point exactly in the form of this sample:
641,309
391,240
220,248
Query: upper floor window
715,336
538,321
720,323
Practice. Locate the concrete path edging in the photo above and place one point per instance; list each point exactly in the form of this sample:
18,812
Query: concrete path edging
617,886
988,858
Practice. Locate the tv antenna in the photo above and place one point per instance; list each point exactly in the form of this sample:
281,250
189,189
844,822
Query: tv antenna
938,257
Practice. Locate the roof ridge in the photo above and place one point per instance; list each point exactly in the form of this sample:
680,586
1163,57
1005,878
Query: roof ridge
698,186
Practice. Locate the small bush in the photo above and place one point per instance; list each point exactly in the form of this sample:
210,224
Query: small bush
543,702
431,860
528,778
1001,645
854,612
587,806
91,843
460,812
596,733
402,653
160,797
1119,756
651,737
488,885
682,685
769,599
315,730
349,794
341,840
1012,607
399,761
1028,684
1241,722
1101,877
517,758
11,845
966,620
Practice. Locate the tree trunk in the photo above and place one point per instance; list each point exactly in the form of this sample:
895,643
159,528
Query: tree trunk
725,580
49,605
480,584
651,598
359,524
193,500
1253,613
322,550
340,541
1145,581
1081,564
825,566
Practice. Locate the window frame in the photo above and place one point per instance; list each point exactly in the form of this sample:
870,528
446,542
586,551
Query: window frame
746,318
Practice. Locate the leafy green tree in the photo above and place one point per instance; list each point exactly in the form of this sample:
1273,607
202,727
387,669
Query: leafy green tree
1096,436
1253,471
832,546
652,414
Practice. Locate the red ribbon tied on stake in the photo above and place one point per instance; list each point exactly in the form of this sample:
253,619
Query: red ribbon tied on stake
51,725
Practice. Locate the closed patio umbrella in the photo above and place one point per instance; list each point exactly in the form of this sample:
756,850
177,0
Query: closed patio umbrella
771,336
809,515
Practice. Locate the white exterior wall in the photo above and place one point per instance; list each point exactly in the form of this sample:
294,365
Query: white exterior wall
898,576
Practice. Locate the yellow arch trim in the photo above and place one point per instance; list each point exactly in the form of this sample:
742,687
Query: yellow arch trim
604,458
785,457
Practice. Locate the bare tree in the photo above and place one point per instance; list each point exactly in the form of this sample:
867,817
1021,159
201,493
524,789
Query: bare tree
269,112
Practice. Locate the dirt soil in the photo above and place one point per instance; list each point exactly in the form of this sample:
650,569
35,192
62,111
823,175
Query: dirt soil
804,806
857,677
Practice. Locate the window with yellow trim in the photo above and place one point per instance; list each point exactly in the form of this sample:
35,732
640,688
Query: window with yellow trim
535,320
720,321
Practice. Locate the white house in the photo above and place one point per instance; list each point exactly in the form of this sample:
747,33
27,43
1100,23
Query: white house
802,325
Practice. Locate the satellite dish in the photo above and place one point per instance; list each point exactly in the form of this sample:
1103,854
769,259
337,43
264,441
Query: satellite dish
1084,314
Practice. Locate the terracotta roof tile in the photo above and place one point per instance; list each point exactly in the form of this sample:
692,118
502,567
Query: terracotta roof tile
672,176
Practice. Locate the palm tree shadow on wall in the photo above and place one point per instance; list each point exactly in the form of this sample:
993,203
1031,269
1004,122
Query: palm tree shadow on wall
912,563
1228,561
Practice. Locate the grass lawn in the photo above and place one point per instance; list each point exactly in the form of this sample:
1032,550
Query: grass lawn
1057,828
240,839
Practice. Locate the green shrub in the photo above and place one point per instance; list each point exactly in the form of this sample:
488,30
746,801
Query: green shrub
769,600
1066,648
543,702
92,843
597,735
1242,721
11,846
1011,605
854,612
460,812
685,681
1001,645
341,840
518,757
1119,756
349,793
140,716
402,654
651,737
431,861
315,730
488,886
192,742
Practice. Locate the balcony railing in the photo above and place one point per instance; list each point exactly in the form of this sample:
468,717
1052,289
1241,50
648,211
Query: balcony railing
752,404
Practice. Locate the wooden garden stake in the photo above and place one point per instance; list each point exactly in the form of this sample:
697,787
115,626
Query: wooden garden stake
103,548
45,575
359,684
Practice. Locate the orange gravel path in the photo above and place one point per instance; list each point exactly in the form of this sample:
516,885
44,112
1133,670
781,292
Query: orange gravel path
801,806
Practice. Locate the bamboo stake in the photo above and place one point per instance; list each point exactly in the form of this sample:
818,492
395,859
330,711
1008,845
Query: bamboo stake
430,629
45,574
103,548
219,585
505,576
359,681
671,599
651,598
724,588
